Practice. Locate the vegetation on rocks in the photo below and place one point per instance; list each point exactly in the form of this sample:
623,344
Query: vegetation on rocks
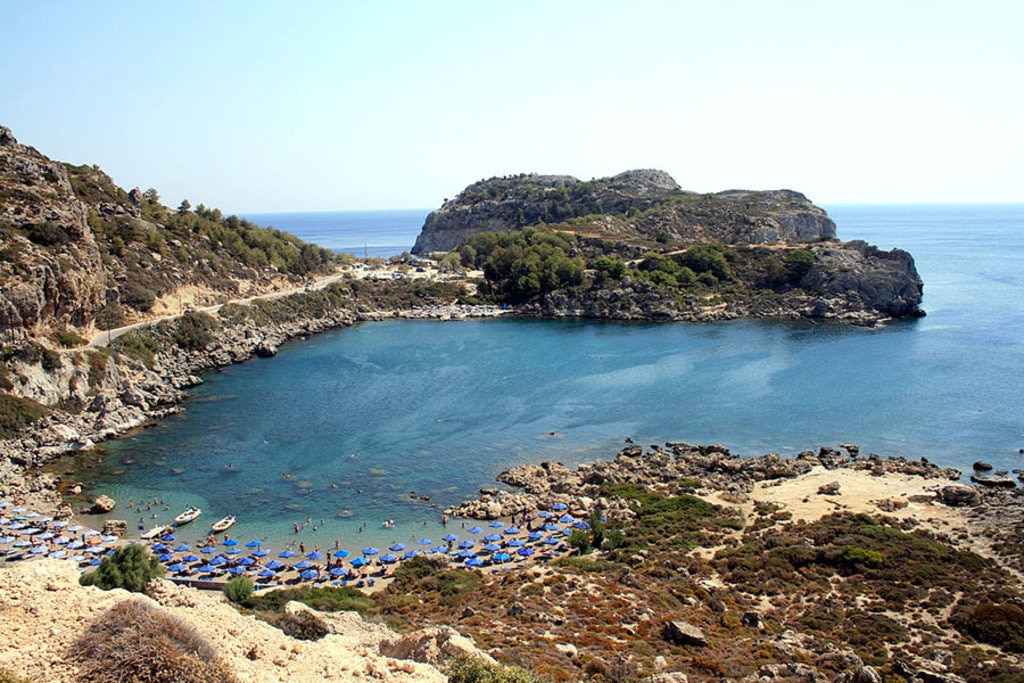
130,567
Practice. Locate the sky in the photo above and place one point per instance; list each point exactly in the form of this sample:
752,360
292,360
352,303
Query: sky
256,106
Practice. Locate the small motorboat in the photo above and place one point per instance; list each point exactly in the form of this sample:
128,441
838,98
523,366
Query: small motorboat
156,532
187,516
222,525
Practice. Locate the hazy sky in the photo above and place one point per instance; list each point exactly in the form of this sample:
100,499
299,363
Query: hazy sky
283,106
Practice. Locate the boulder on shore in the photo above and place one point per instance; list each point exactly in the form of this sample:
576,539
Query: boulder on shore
103,504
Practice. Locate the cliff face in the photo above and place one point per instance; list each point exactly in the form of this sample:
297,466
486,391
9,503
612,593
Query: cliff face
643,204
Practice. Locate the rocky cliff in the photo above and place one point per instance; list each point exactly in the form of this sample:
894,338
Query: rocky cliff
641,204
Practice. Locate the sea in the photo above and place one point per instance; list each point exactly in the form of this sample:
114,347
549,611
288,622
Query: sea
346,432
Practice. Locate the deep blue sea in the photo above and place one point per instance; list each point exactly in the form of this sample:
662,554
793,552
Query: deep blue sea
342,427
362,233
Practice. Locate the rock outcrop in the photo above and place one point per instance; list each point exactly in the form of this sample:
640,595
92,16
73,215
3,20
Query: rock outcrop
669,214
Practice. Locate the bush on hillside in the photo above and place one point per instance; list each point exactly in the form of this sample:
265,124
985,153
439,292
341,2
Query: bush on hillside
130,567
239,589
470,669
134,641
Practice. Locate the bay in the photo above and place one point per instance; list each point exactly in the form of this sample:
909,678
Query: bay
344,427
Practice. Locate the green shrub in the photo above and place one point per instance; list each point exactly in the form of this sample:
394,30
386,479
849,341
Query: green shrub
17,413
469,669
69,339
239,589
134,641
48,234
195,331
857,555
130,567
996,624
138,297
325,599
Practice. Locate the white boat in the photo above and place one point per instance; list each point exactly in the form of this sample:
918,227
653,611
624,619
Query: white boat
222,525
187,516
156,532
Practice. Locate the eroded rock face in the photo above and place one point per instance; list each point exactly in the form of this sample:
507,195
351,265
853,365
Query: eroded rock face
884,281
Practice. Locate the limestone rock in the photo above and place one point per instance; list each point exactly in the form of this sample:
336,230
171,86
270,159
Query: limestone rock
829,489
115,527
684,633
103,504
430,645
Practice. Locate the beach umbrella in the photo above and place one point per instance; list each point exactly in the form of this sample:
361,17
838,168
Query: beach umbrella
474,562
451,538
535,536
526,552
45,536
492,547
260,553
309,575
10,539
410,554
17,526
492,538
110,539
438,549
181,548
231,541
265,573
96,549
515,543
246,562
158,547
341,553
424,541
551,540
388,558
566,519
233,551
207,569
305,564
32,530
315,555
466,553
338,571
237,570
169,538
254,544
189,558
208,549
59,540
370,551
545,514
94,562
360,561
40,549
176,567
44,520
166,557
397,547
24,543
217,561
59,524
496,524
31,514
552,527
502,557
474,529
75,528
512,530
466,544
286,554
559,507
275,564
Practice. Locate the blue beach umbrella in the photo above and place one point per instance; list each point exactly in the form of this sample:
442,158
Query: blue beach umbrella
388,558
424,541
264,573
535,536
58,554
515,543
397,547
512,530
47,535
566,519
474,562
309,575
286,554
231,541
439,549
492,547
545,514
190,558
305,564
370,551
466,544
338,571
208,549
246,562
94,562
360,561
169,538
207,568
39,550
474,529
341,553
217,561
492,538
466,553
551,540
315,555
260,553
559,507
526,552
275,564
552,527
156,546
451,538
237,570
176,567
502,557
12,539
496,524
410,554
166,557
254,544
182,548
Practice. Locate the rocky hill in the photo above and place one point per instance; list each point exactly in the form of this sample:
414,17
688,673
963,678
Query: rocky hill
644,204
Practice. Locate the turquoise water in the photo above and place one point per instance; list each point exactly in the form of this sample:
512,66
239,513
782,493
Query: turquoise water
341,428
